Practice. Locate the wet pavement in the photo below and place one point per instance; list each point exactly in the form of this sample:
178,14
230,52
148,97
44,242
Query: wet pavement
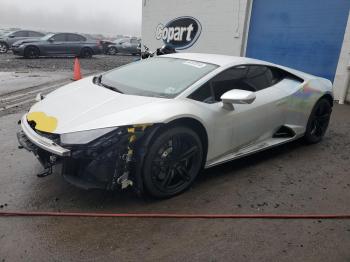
10,63
291,179
21,79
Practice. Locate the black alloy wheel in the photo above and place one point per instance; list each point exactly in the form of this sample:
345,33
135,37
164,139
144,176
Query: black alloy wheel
112,51
318,121
31,52
86,53
3,48
173,162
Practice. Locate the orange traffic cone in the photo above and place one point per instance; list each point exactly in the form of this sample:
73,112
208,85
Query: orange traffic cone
77,73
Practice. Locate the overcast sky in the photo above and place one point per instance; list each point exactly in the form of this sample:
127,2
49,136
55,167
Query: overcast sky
86,16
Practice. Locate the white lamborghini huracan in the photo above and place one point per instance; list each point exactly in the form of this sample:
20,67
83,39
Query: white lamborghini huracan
155,123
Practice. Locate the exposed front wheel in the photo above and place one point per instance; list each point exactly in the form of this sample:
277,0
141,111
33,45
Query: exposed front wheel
3,48
172,162
318,121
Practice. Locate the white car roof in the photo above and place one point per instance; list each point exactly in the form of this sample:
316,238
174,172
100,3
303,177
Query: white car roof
226,60
221,60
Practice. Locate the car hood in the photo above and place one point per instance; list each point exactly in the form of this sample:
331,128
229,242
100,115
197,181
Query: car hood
83,105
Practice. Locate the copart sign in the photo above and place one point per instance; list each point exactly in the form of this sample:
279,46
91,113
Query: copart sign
179,33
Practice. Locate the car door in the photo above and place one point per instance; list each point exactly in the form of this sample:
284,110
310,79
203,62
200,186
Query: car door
33,34
259,120
74,44
246,124
56,45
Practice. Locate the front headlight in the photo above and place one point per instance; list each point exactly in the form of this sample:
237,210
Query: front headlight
85,137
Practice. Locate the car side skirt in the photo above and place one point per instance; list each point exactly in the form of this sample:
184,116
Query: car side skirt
249,150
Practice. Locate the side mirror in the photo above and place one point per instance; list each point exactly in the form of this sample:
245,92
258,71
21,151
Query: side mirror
51,40
11,36
237,96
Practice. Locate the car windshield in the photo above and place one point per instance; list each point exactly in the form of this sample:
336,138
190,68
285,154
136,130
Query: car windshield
46,37
158,77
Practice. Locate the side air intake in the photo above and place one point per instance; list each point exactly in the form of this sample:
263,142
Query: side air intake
284,132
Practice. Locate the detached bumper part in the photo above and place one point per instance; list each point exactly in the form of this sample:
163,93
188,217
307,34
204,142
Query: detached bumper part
42,142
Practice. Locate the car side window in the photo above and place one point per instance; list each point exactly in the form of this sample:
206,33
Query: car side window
259,77
75,38
59,38
34,34
203,94
21,34
230,79
133,41
248,77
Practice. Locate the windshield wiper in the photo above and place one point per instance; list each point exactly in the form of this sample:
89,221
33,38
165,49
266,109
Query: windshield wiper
98,81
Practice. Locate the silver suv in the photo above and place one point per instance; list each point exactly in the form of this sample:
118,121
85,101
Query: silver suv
9,38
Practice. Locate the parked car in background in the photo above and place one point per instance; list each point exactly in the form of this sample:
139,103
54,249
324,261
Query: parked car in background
7,39
125,46
105,44
59,44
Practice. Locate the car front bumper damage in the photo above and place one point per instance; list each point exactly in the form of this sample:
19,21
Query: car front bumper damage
109,165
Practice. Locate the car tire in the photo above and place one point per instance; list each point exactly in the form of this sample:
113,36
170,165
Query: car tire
172,162
31,52
112,51
318,121
3,48
86,53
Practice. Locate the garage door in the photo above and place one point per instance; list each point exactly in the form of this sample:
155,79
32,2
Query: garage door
302,34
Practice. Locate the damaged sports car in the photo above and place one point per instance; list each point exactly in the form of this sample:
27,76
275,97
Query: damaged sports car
156,123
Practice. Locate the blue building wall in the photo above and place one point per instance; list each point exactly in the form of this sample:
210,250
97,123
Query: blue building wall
302,34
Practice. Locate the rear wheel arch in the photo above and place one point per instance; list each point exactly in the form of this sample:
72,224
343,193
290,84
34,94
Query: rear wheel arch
328,97
318,120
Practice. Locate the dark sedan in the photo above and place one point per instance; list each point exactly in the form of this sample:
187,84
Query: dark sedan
60,44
